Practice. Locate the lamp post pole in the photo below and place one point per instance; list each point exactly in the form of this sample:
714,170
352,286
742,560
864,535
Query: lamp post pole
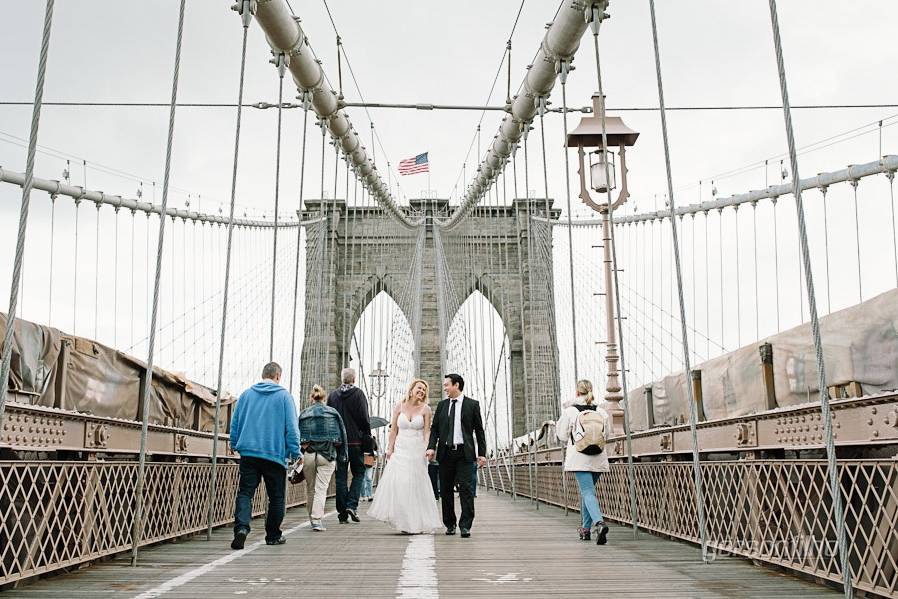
590,133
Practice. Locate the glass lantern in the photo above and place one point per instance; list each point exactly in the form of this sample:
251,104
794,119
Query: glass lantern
597,171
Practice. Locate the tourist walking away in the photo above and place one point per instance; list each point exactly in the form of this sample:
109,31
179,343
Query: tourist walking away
585,426
351,403
322,438
404,498
455,424
264,433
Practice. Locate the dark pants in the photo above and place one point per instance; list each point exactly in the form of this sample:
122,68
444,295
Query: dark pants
433,470
348,494
455,471
252,472
474,479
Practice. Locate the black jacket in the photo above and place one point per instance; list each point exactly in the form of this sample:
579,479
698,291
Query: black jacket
351,403
441,431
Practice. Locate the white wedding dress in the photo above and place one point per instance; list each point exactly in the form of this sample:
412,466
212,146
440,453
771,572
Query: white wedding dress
404,498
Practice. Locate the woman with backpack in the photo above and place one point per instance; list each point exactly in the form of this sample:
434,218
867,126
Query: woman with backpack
584,425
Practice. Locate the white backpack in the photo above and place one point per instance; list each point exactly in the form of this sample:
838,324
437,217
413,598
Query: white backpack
588,431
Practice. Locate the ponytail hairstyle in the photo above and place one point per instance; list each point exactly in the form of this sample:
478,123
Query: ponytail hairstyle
584,390
317,394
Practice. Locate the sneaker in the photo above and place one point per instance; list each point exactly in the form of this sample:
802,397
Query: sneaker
278,541
318,527
601,533
585,534
351,513
239,538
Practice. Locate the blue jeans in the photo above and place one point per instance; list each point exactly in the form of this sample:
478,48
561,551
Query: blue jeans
589,503
367,489
348,494
252,472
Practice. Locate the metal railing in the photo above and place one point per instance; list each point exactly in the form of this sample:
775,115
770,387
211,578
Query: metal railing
775,511
60,514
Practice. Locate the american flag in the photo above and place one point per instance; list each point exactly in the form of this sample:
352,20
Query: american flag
413,166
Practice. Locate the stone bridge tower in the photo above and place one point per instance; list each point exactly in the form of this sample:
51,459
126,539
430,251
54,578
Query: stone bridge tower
354,253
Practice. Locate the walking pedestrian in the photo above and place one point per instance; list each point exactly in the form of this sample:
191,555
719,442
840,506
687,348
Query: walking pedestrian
264,433
584,426
351,403
322,437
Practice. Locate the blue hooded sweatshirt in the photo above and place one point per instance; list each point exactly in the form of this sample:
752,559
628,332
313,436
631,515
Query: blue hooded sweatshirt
264,424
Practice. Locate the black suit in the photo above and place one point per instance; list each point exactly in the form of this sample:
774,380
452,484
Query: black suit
456,461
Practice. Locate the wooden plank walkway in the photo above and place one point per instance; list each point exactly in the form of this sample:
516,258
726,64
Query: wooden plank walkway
514,551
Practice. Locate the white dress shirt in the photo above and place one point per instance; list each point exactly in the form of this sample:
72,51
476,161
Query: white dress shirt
457,437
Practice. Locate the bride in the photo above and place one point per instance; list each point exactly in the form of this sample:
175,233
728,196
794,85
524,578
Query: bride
404,497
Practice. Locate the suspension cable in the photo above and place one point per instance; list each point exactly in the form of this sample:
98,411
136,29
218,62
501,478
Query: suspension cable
829,305
137,524
696,466
245,10
281,64
832,465
23,212
565,65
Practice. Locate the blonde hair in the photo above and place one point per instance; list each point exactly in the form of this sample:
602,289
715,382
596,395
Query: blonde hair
584,389
317,394
408,394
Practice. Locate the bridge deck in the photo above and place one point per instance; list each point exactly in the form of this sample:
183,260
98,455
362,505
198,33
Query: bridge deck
515,551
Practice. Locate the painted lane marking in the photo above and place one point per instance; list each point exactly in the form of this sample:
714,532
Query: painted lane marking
208,567
418,577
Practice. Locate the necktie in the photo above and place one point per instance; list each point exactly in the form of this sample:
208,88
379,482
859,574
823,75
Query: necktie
451,438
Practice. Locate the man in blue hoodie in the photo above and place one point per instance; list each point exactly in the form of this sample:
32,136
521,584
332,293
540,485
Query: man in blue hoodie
265,434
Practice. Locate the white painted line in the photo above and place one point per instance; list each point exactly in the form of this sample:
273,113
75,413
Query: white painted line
418,577
208,567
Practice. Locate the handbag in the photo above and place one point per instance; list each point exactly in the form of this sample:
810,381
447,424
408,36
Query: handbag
296,474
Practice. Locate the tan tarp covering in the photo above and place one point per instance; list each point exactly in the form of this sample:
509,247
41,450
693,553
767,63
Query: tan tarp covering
860,344
102,381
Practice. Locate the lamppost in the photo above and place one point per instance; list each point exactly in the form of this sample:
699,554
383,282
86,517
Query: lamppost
603,179
379,378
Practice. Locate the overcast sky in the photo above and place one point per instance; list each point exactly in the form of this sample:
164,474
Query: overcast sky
713,53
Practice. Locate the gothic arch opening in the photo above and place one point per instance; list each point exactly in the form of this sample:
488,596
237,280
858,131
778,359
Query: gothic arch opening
381,350
478,347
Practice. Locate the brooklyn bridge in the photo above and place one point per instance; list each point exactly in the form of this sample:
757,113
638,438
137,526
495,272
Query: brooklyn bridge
207,190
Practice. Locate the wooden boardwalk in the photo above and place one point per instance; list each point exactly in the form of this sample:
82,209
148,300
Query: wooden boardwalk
514,551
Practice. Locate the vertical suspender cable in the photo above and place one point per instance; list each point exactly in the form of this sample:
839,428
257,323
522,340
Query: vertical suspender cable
631,469
891,177
697,473
776,265
280,63
829,305
23,211
550,286
97,272
738,280
245,10
754,246
857,239
563,67
531,406
137,523
832,465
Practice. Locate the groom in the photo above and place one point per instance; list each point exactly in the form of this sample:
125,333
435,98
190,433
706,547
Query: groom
455,423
